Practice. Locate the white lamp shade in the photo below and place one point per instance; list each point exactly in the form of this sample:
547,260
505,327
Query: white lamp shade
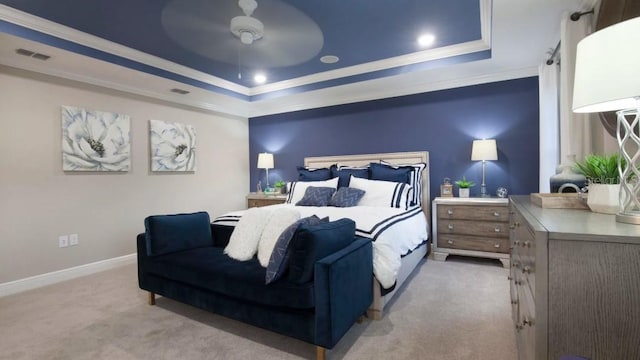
484,150
607,76
265,161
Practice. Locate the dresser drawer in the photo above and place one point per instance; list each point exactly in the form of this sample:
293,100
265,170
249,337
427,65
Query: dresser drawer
263,202
470,212
477,243
477,228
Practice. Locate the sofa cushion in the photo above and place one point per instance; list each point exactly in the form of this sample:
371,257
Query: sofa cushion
313,242
211,269
169,233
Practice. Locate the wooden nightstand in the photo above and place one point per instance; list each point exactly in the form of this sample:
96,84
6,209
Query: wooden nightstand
472,227
260,199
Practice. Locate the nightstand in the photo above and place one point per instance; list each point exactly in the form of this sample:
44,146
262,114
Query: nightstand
472,227
260,199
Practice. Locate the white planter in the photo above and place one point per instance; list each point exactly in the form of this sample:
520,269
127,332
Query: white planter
463,193
604,198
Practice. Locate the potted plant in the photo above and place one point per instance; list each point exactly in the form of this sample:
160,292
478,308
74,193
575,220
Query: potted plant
603,179
281,186
463,187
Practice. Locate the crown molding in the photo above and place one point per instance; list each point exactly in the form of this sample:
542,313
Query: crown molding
66,33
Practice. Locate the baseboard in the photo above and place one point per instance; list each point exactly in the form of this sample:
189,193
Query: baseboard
13,287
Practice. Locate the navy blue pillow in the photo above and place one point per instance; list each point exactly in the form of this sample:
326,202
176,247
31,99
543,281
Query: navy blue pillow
280,256
344,173
314,242
306,174
401,174
316,196
170,233
346,197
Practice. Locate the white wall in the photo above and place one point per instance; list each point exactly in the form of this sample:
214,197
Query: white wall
39,202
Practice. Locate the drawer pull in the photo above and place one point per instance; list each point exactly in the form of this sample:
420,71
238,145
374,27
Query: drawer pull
519,327
526,270
514,302
450,242
512,226
516,242
496,214
496,245
527,243
527,321
450,226
518,282
515,265
497,229
449,211
509,278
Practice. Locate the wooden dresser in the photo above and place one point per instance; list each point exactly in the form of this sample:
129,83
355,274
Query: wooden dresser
575,283
472,227
260,199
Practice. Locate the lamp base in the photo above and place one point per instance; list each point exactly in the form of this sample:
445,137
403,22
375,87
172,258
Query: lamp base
483,191
628,134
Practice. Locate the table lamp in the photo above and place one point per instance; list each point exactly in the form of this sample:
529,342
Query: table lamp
607,78
265,161
483,150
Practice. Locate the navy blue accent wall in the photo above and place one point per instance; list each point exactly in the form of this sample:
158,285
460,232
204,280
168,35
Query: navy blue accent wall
445,123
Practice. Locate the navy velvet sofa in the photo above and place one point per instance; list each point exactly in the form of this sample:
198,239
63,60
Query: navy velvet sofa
180,257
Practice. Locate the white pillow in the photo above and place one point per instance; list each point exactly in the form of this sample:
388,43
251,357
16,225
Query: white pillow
244,240
279,221
382,193
298,188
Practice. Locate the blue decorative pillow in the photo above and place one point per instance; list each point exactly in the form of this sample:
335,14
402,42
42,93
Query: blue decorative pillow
170,233
316,196
343,173
308,174
280,256
401,174
346,197
314,242
415,180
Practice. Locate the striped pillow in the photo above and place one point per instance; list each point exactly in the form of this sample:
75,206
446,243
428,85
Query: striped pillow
382,193
415,180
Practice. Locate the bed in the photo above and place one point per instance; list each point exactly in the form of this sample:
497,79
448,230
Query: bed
400,233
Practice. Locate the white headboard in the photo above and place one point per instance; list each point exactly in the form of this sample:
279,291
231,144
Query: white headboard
399,158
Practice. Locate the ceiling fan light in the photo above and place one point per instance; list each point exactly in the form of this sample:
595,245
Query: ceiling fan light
246,28
246,37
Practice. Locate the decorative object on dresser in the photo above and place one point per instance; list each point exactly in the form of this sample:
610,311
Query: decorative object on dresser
265,161
603,178
471,227
606,79
483,150
574,283
567,179
464,186
261,199
446,189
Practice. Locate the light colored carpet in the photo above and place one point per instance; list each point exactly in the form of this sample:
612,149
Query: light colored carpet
458,309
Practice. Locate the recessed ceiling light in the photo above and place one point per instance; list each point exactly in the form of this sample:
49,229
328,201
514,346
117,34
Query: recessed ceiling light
329,59
426,39
260,78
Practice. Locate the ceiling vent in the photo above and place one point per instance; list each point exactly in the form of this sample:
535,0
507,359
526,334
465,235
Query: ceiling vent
179,91
32,54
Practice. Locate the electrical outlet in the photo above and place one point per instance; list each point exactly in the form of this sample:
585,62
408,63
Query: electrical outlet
73,239
63,241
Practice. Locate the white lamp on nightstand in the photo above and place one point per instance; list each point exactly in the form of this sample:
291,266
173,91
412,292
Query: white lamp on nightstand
484,150
607,78
265,161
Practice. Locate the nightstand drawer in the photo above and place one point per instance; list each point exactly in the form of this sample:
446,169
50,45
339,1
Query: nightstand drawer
259,199
476,228
471,212
477,243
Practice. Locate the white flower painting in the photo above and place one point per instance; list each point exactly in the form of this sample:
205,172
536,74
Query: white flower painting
94,140
173,146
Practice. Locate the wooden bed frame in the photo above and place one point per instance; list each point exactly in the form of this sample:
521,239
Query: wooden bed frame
410,261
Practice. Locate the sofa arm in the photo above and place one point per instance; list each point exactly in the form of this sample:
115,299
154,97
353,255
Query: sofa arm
343,290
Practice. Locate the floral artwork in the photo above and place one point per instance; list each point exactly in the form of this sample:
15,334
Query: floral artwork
173,146
94,140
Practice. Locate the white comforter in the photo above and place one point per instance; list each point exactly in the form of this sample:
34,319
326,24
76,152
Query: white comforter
395,232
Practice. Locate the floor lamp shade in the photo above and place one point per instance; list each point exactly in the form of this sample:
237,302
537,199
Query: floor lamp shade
483,150
607,78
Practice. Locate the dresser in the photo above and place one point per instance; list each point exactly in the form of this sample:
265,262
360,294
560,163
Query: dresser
574,283
260,199
472,227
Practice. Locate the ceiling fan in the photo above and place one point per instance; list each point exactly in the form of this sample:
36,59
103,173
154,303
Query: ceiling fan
286,35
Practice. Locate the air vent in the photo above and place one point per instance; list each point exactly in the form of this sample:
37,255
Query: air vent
32,54
180,91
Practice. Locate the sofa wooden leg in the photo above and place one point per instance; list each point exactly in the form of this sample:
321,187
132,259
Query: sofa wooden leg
360,319
151,300
321,353
374,314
